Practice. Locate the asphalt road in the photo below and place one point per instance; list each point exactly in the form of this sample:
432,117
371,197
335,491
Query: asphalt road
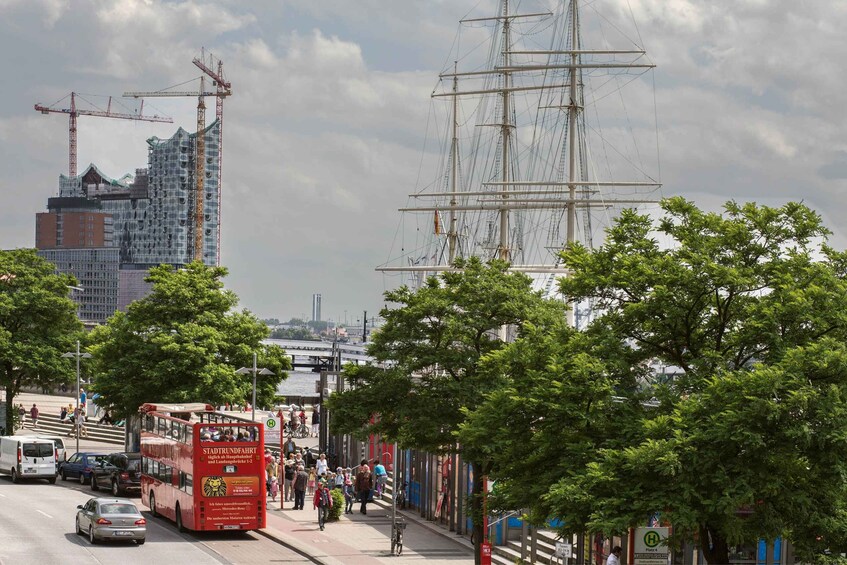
37,526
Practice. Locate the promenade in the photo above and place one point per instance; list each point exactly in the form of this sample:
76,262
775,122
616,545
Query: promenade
355,539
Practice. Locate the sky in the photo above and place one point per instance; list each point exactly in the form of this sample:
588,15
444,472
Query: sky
325,134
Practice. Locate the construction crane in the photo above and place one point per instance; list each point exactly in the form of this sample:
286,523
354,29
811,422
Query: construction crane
73,113
223,89
199,156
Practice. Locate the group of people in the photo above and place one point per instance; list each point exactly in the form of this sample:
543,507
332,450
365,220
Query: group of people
300,479
297,416
214,433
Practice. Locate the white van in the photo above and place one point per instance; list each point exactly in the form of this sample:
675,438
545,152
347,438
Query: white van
25,457
60,444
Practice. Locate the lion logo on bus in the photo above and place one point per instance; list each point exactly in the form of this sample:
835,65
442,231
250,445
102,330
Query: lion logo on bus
214,486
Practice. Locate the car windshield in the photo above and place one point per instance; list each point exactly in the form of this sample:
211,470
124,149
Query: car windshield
38,450
118,508
133,464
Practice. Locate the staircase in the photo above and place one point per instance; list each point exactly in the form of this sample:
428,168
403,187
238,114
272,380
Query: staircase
49,424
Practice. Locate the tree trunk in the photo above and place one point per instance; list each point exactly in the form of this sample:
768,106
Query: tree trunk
477,490
9,424
713,545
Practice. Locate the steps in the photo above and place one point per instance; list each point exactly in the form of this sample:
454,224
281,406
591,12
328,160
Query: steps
49,424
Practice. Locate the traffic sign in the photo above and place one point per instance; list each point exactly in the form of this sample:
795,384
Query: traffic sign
564,550
651,546
272,431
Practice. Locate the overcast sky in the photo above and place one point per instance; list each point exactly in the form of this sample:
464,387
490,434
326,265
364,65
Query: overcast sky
324,132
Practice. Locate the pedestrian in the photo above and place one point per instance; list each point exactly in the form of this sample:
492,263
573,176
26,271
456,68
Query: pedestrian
33,413
349,492
323,502
311,481
615,556
316,422
364,484
270,471
82,397
301,480
83,431
274,490
290,447
22,414
322,465
338,478
381,478
63,413
288,476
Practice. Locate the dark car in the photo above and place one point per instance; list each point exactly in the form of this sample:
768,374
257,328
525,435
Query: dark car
80,466
120,472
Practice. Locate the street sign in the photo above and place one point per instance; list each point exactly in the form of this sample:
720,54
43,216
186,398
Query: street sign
651,546
272,431
564,550
485,553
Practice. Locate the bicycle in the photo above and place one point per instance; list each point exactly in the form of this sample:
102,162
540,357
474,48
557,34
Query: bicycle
400,498
397,535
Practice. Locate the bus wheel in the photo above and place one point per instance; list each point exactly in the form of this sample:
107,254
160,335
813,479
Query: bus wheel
179,525
153,505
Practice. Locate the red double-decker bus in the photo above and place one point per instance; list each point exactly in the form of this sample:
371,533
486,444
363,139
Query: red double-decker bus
203,469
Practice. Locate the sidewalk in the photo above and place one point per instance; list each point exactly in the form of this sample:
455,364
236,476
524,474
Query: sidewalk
357,539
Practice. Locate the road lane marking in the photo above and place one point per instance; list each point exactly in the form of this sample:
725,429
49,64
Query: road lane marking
45,513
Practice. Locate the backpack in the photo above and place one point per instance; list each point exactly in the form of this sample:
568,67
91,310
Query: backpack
323,499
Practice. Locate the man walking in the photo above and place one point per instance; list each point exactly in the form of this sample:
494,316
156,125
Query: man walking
615,556
33,413
288,475
323,502
364,484
301,480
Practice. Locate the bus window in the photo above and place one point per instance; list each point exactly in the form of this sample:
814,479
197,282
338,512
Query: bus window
148,423
161,426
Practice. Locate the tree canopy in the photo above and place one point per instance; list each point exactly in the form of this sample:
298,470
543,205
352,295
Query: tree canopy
183,343
746,441
38,324
428,355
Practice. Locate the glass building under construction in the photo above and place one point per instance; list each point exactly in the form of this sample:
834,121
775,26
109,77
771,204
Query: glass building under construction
149,218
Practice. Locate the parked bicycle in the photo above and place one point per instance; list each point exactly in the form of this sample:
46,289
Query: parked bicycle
397,535
400,497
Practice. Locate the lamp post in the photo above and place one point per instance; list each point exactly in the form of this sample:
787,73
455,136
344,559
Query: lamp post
255,370
79,355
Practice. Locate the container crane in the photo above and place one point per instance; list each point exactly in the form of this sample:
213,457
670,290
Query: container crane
73,113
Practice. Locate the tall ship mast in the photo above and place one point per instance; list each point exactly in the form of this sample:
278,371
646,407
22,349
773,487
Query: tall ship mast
537,157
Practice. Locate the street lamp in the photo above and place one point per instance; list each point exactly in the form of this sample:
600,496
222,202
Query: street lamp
78,356
254,370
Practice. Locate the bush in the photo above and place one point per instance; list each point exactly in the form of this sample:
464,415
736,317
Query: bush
338,504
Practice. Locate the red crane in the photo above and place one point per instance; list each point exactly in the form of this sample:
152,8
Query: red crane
224,89
73,112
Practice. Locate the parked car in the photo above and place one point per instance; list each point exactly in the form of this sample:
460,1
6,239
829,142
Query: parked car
111,519
121,472
26,457
80,466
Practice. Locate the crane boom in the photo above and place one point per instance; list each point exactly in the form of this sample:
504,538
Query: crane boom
163,93
73,113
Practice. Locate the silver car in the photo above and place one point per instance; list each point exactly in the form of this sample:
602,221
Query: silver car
111,519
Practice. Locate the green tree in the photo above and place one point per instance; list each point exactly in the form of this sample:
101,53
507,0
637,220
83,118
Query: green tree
747,441
428,355
38,324
183,343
